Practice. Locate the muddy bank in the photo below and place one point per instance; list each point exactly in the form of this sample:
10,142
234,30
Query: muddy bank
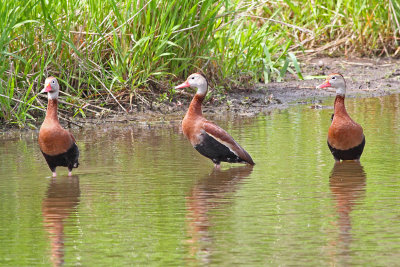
364,77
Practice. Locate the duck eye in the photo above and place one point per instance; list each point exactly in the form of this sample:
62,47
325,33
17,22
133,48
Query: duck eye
53,81
193,78
333,78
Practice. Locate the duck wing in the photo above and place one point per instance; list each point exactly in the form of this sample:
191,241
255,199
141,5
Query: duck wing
227,140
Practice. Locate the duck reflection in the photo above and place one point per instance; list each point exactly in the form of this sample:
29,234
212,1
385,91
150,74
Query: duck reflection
61,200
210,193
347,184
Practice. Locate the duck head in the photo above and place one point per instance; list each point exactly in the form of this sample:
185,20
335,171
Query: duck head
51,87
195,80
336,81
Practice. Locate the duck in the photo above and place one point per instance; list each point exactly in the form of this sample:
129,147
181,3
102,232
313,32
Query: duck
57,145
206,137
346,138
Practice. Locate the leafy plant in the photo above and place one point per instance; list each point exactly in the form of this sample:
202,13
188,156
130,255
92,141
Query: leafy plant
109,53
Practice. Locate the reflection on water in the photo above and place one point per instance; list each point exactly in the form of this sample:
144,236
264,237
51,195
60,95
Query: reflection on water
212,192
60,202
347,184
145,197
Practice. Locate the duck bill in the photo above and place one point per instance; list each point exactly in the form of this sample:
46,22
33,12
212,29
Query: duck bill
46,89
183,85
324,85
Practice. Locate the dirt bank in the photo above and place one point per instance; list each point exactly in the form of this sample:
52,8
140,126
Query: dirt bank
365,78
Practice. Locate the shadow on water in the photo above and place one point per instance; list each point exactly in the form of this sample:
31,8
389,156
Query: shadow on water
60,202
347,184
212,192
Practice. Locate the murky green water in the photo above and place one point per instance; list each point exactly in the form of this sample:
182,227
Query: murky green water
146,197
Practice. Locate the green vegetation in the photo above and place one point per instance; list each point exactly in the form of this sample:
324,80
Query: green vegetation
118,54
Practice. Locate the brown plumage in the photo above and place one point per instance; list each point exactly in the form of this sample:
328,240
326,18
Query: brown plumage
346,139
57,144
53,139
206,137
344,133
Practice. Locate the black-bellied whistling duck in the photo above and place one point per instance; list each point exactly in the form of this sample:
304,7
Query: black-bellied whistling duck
57,145
346,139
206,137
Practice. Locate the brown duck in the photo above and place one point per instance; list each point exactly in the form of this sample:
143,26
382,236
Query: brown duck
346,139
58,145
206,137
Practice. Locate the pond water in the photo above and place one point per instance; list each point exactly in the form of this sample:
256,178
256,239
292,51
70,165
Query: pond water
146,197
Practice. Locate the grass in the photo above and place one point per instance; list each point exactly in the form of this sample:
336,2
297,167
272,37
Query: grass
118,55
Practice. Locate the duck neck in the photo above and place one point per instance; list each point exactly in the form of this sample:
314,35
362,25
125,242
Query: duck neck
195,105
340,109
51,113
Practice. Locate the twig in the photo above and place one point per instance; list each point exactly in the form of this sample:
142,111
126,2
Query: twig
328,45
181,92
143,99
76,106
302,43
85,104
283,23
383,44
108,90
334,12
130,34
395,17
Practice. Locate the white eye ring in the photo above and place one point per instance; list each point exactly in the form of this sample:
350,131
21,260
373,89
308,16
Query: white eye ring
53,81
333,78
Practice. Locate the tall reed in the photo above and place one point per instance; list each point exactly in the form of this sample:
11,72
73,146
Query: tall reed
115,54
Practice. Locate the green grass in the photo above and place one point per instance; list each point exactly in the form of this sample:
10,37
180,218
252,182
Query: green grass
121,54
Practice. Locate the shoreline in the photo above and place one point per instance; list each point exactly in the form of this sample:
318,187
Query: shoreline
364,78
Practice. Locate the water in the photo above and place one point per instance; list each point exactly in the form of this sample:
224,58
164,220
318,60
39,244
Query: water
146,197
